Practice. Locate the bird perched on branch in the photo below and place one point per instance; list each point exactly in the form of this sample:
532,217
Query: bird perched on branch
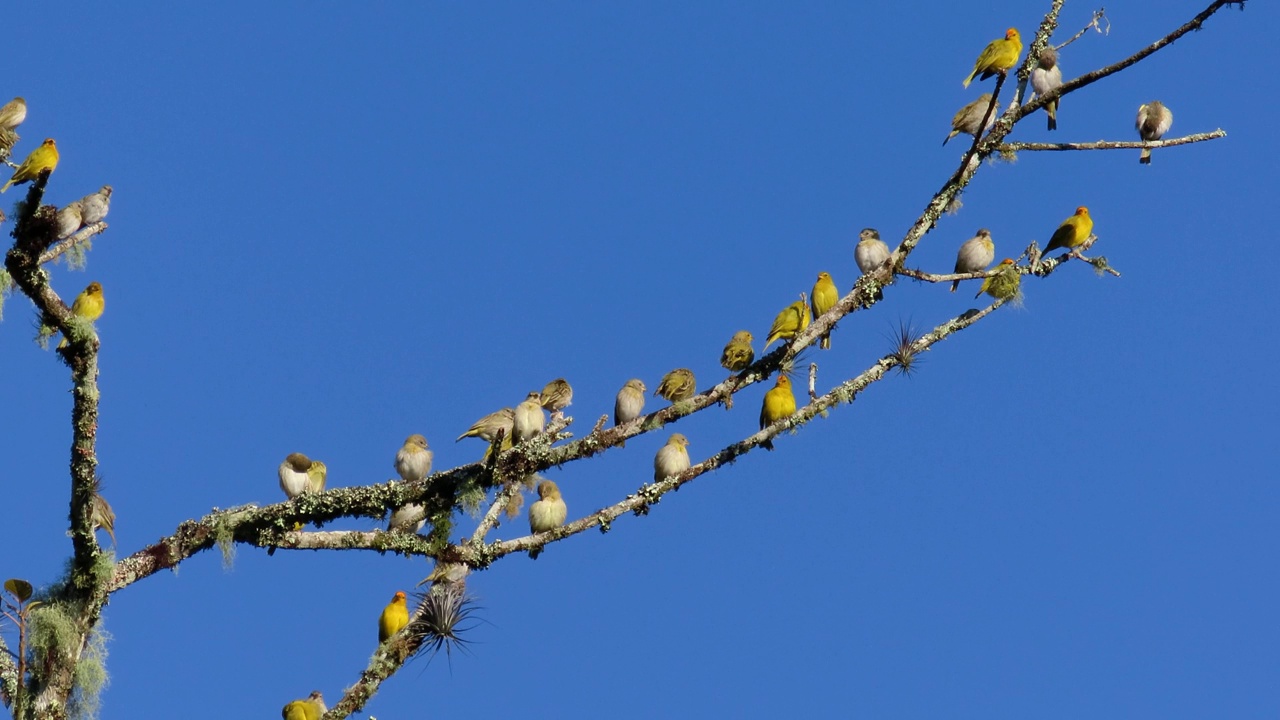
69,219
1072,232
779,403
394,617
629,404
95,206
871,251
294,479
547,513
968,119
824,297
737,354
12,114
102,516
487,427
998,56
557,396
42,158
1004,284
1046,77
975,254
309,709
413,463
1154,120
88,305
792,321
672,458
528,420
677,385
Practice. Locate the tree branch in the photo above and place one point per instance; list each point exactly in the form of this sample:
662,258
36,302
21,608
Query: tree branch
1111,144
75,239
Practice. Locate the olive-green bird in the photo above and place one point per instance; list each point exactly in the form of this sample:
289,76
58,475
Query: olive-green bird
487,427
792,321
737,354
1004,284
998,56
677,385
825,296
968,119
102,516
672,458
1072,233
42,158
394,617
779,403
557,396
975,254
312,708
547,513
88,305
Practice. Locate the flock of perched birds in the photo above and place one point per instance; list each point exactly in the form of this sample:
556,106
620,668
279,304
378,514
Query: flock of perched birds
300,474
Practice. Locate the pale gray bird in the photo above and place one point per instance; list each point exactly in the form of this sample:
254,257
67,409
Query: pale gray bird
672,458
529,420
413,460
13,113
968,118
293,475
95,207
871,251
975,254
69,219
1154,120
629,403
1045,78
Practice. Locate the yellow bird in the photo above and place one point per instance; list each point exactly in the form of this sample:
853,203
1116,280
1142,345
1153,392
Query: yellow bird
1004,284
42,158
975,254
1072,233
677,385
998,56
825,297
672,458
394,617
737,355
792,321
88,305
309,709
778,403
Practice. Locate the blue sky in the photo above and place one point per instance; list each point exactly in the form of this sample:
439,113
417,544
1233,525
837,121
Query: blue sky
336,224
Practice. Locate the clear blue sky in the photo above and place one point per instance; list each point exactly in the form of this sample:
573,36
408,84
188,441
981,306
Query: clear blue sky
336,224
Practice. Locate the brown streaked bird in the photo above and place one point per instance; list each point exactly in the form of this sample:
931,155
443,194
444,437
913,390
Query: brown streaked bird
12,114
737,354
557,396
487,427
968,119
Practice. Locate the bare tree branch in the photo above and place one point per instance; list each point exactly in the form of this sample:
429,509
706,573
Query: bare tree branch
1111,144
75,239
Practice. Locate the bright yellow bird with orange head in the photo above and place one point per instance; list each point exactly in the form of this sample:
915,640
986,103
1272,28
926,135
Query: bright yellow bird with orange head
779,403
1072,233
998,56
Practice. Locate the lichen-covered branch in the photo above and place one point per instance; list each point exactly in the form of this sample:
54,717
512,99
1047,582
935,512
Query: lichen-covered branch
76,239
1111,144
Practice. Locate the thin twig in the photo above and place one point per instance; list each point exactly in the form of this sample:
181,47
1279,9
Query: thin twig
79,237
1099,14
